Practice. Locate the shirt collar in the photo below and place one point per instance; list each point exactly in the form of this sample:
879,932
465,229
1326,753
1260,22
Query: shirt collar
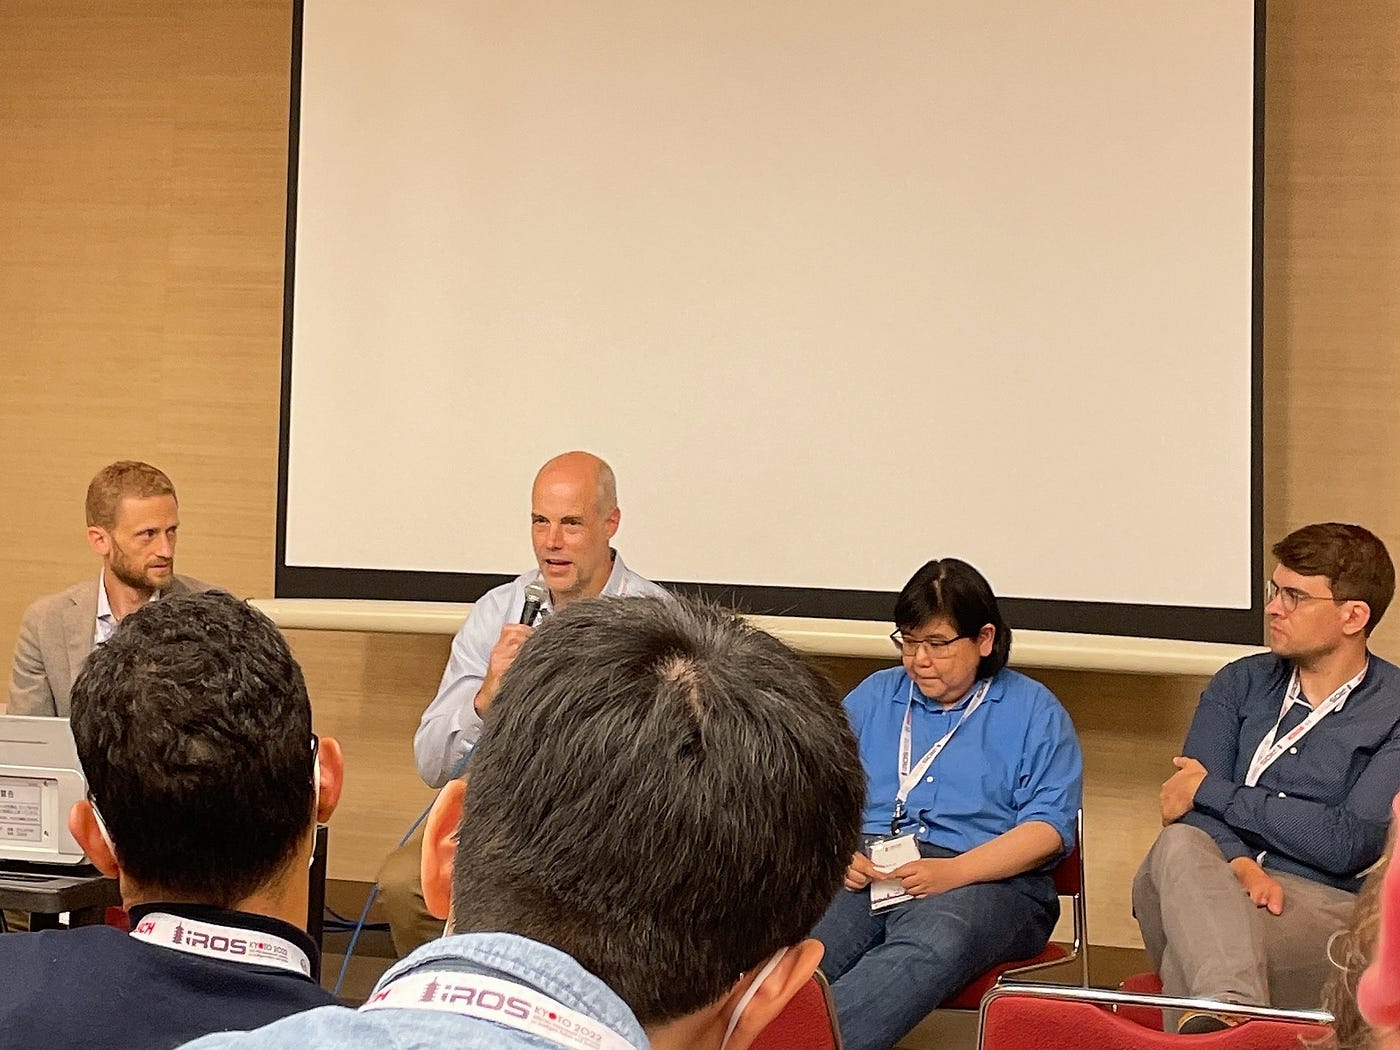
617,577
104,604
1299,699
243,920
528,962
994,693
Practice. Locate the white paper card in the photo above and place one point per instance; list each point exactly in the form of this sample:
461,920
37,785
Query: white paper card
886,855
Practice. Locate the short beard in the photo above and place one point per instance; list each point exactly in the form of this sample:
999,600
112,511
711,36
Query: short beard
140,582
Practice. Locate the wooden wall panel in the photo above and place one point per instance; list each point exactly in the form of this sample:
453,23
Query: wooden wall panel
142,186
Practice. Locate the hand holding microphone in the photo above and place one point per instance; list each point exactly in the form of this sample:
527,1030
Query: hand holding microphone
535,596
512,637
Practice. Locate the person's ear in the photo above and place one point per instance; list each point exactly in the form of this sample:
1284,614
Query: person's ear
99,540
1358,615
86,829
330,777
612,521
786,979
986,639
440,848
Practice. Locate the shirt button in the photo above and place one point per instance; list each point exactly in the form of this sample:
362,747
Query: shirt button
1292,750
928,780
922,829
1282,795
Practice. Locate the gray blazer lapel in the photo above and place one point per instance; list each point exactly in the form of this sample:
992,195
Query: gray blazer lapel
79,621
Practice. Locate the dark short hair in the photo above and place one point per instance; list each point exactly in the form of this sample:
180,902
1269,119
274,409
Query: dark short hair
951,589
117,481
664,792
194,730
1354,560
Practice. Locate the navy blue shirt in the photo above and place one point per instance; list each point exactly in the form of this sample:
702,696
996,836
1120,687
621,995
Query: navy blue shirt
1323,808
95,986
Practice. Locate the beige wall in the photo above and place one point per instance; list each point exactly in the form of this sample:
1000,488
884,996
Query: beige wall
142,188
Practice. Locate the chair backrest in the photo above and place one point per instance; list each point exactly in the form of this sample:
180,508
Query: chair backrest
1069,873
1054,1017
807,1022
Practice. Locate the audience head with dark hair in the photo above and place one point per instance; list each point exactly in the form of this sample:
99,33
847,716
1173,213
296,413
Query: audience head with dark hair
204,787
193,727
666,794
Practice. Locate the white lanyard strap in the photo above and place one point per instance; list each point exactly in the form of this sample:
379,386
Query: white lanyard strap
909,777
1272,746
221,942
502,1002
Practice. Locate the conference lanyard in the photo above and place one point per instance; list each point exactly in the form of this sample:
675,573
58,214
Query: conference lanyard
1269,749
503,1002
908,777
221,942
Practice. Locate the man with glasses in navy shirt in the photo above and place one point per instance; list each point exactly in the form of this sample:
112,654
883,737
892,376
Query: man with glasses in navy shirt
1281,797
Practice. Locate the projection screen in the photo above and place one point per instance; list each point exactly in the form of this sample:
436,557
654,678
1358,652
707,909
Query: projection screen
836,287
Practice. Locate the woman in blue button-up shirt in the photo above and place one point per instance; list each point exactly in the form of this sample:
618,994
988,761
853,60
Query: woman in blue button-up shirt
981,766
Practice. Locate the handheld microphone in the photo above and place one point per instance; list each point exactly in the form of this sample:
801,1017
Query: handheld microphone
535,595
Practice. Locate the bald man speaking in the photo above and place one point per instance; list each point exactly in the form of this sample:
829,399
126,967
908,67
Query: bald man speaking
573,518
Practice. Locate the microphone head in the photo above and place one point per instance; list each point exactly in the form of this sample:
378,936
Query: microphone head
537,593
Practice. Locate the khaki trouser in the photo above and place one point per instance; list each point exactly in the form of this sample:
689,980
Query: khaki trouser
1207,939
401,891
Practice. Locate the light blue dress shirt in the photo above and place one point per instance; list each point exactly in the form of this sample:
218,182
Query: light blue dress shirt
502,955
450,726
1015,759
106,623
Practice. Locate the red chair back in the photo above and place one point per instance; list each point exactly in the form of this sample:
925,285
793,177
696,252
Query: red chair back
1147,1016
1067,874
1052,1018
807,1022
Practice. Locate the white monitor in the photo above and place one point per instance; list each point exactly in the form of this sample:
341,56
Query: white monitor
40,779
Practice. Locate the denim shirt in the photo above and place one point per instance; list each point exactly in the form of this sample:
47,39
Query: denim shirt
502,955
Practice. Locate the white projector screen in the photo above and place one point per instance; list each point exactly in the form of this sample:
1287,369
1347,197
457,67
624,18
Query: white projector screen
836,287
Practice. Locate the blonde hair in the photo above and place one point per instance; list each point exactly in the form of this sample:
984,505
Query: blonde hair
116,481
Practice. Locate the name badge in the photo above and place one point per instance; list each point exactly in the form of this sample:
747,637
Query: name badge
887,854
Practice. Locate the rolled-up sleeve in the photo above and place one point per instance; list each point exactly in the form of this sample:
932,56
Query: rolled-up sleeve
1050,780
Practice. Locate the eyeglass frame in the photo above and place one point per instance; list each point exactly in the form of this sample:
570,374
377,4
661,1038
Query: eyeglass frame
937,648
1289,597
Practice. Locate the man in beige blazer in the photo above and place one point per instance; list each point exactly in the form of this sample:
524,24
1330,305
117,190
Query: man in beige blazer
132,518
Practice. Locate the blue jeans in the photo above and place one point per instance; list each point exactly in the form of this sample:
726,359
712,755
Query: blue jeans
889,969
